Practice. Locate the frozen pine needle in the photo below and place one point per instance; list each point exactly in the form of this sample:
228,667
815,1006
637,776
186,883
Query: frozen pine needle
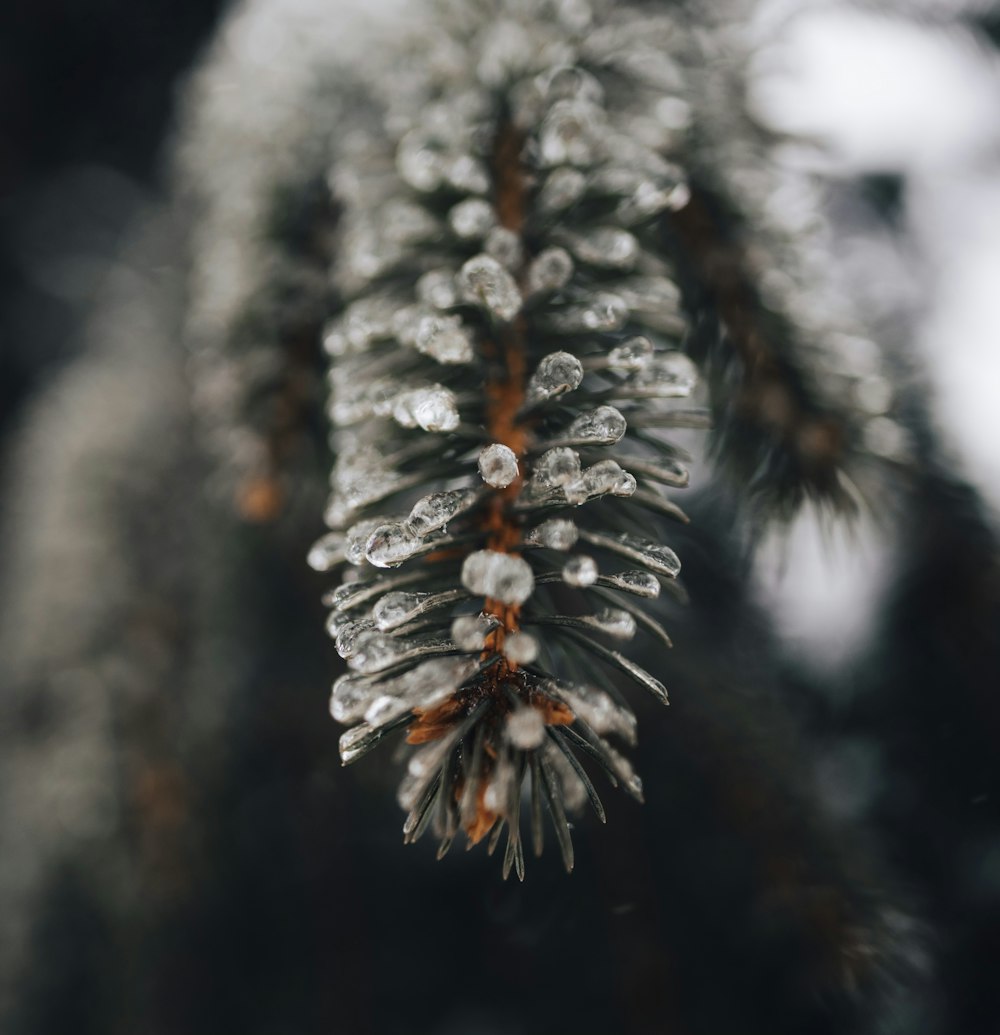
507,321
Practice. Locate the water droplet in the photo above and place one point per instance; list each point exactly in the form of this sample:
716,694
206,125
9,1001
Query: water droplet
374,651
554,534
498,465
395,609
580,571
603,426
669,375
521,648
563,188
570,134
555,467
654,556
550,271
612,621
352,694
357,539
605,312
631,355
638,583
526,728
349,633
437,289
498,575
605,247
433,408
443,338
472,219
470,631
327,552
484,281
390,544
556,374
606,476
434,511
505,246
569,83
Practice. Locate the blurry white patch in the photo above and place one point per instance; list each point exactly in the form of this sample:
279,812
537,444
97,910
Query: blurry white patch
885,92
823,582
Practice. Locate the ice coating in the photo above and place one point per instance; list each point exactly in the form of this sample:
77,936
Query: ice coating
432,408
484,281
554,534
433,512
521,648
500,576
556,374
472,219
580,570
603,426
550,271
526,728
557,466
443,338
391,543
498,465
469,631
631,355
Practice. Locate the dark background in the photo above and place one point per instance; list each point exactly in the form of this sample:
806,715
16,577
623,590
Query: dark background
305,914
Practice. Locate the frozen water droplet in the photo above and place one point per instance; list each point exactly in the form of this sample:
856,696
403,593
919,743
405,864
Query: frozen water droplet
550,271
349,633
554,534
568,83
638,583
327,552
351,697
469,631
520,648
505,246
603,426
597,709
356,741
612,621
563,188
570,134
391,544
505,46
498,465
420,165
654,556
472,219
384,709
395,609
484,281
357,538
631,355
374,651
556,466
580,571
606,476
433,408
437,289
433,512
443,338
556,374
606,247
604,312
498,575
526,728
467,174
669,375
